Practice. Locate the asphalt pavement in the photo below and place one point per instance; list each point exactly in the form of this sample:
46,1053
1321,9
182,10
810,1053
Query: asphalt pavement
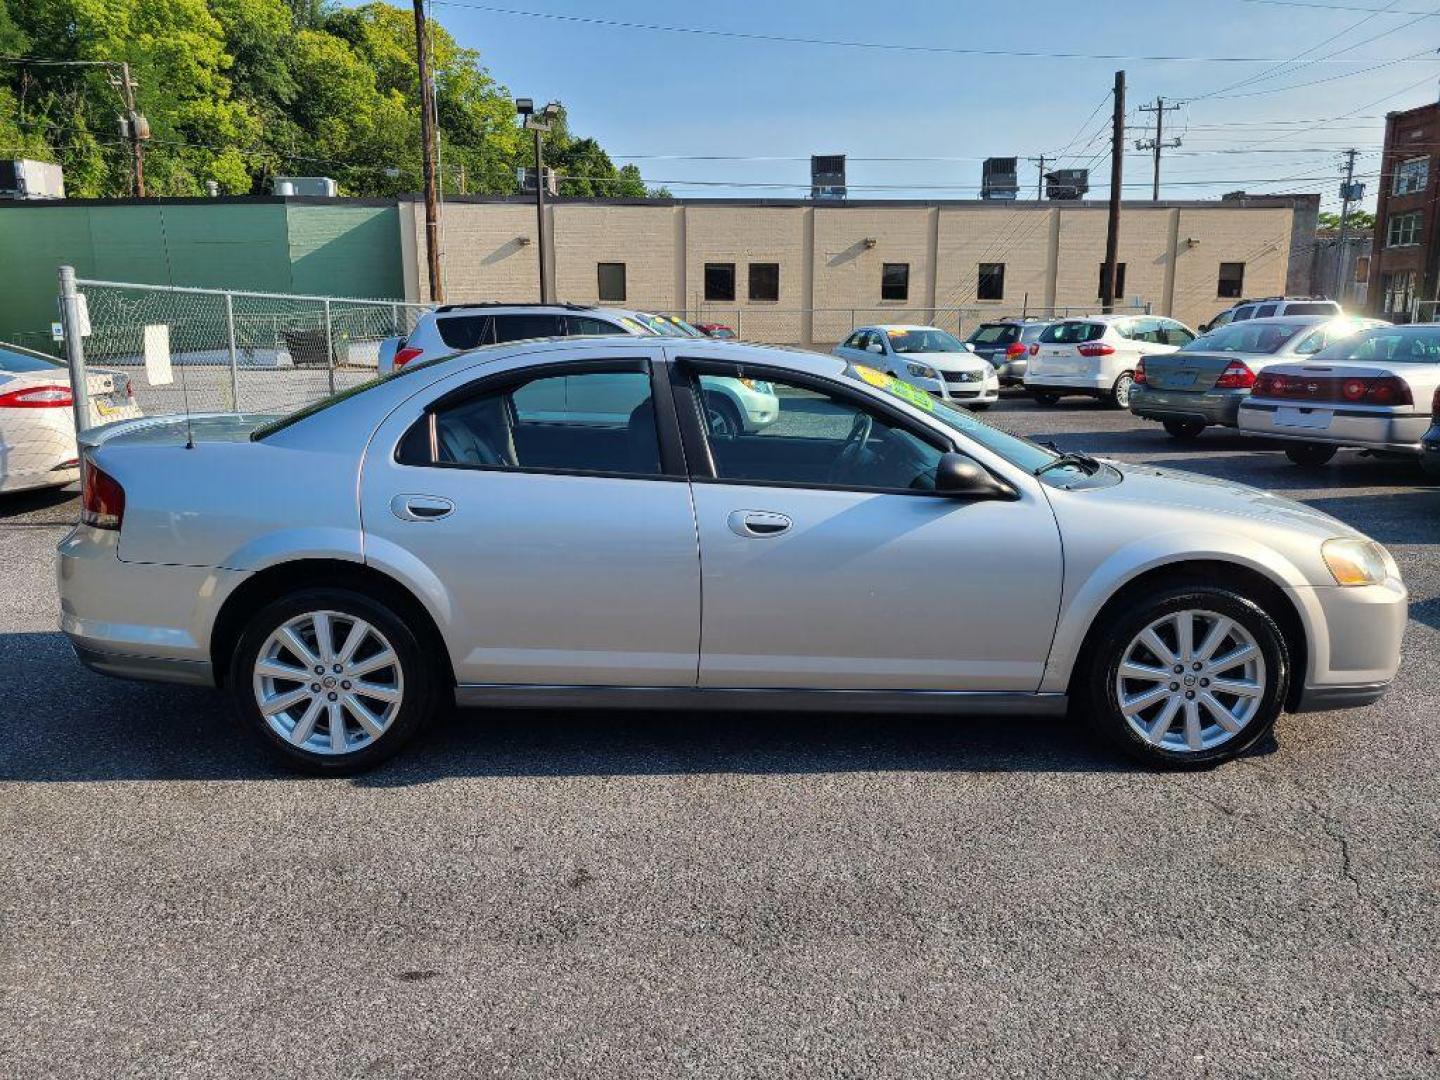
563,894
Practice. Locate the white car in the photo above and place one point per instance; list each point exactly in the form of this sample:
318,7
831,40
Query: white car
456,327
927,358
37,425
1373,391
1096,355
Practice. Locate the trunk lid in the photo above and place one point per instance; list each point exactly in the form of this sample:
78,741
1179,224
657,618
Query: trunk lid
1195,371
176,430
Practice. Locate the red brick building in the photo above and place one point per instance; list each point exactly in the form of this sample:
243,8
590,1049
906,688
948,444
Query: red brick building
1406,249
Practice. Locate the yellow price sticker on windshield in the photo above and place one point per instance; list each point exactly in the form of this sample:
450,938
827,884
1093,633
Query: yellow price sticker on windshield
873,377
895,387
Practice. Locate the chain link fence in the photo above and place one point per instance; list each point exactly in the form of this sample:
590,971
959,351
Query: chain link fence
215,350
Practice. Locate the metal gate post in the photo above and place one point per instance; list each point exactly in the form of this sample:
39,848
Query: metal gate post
395,319
74,349
329,348
234,362
739,323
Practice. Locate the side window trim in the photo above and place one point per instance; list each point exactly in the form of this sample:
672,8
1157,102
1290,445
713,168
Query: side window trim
687,371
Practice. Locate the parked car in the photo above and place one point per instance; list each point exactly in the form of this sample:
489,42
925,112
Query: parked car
1270,306
927,358
667,325
456,327
344,570
1430,441
1205,381
1006,344
1371,391
715,330
1097,355
37,416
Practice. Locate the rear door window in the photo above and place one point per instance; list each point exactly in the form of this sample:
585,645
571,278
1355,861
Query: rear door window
588,324
1243,313
1265,311
524,327
1072,333
464,331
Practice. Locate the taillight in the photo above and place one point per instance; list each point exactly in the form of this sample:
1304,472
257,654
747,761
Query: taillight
102,499
1356,390
1013,350
1035,349
1139,374
1236,376
405,355
38,397
1095,348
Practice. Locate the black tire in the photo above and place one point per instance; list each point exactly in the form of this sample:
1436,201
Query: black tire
1311,455
981,406
418,680
1119,397
1096,689
722,418
1184,430
1045,397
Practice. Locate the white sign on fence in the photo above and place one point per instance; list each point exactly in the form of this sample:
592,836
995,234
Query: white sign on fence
157,354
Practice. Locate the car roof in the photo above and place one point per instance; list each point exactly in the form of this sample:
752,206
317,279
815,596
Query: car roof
900,326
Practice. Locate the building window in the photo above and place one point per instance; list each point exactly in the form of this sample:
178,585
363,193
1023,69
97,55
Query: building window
720,281
1362,269
991,282
1403,230
1232,281
611,280
895,281
1119,281
764,281
1399,291
1411,175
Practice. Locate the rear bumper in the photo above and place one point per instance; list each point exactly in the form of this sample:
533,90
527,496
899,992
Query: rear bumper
145,668
1089,383
1398,433
1011,372
1213,407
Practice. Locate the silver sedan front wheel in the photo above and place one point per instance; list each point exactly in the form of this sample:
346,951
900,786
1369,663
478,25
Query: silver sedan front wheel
328,682
1190,681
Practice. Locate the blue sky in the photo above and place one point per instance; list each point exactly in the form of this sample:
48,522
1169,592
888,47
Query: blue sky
666,100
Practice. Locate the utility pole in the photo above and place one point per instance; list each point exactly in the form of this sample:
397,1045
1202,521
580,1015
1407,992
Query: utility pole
1040,180
427,153
539,123
1112,230
1349,191
1157,143
133,124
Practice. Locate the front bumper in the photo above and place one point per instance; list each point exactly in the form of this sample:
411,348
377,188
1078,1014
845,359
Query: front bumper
1355,640
987,390
1373,428
1220,407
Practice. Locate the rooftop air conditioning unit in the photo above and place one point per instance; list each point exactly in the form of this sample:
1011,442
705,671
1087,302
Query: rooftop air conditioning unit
1067,183
321,187
22,178
999,178
526,178
827,177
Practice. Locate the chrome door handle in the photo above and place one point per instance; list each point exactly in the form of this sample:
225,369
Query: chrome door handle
421,507
758,524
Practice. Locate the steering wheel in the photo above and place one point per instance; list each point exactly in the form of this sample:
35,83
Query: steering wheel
849,454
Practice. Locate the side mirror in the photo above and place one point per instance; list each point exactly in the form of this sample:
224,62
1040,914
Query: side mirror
969,347
875,347
956,474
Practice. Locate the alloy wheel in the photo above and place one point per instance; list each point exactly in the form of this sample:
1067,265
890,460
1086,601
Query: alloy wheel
328,682
1190,681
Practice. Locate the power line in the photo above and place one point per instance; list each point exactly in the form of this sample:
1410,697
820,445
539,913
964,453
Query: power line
785,39
1337,7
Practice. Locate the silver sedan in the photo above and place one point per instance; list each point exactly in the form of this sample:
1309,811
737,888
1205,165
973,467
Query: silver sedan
536,524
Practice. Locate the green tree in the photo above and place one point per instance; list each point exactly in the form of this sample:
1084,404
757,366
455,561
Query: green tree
1359,220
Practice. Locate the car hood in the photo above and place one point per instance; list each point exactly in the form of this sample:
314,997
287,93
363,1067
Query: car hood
1147,488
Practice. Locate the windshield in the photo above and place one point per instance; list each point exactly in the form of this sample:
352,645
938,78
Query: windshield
1022,452
994,334
1391,344
21,362
683,326
923,341
656,325
1247,337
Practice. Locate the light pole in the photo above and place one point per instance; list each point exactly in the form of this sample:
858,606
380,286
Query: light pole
539,123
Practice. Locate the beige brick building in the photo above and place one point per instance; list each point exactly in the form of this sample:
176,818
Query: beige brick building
804,273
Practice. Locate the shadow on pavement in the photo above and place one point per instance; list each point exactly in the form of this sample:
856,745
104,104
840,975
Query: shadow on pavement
75,727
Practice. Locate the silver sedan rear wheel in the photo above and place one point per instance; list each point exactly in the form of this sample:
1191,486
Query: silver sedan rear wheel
1191,681
328,682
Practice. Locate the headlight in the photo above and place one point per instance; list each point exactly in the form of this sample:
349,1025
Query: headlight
921,371
1354,562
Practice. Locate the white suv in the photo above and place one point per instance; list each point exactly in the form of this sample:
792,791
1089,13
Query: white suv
456,327
1096,355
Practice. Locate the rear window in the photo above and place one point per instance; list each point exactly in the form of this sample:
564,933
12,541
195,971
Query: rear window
995,334
1246,337
1390,344
464,331
1312,309
1072,333
19,362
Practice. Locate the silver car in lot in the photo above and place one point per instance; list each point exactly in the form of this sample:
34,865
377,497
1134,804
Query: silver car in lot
1372,391
1204,382
431,535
